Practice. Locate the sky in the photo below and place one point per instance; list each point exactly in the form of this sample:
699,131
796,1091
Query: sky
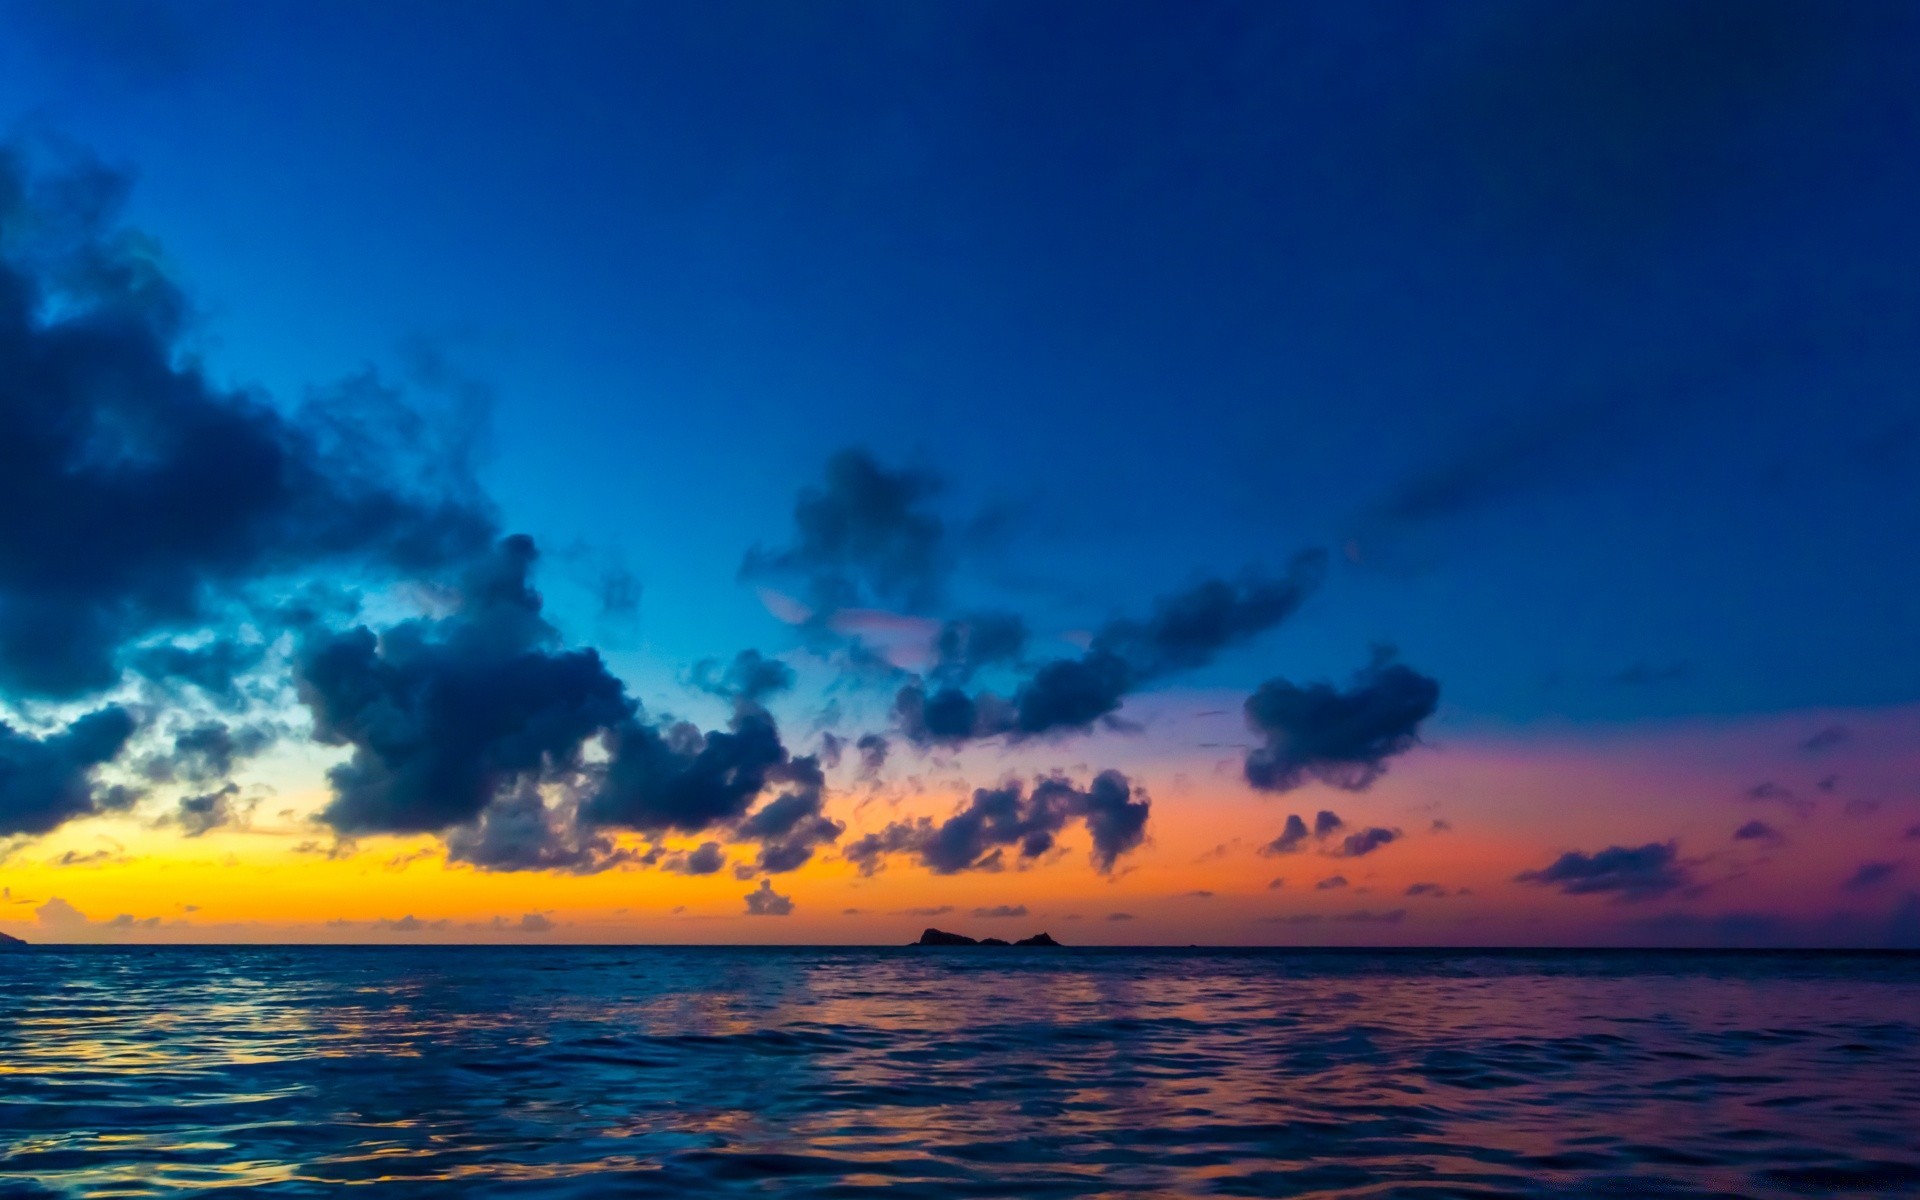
1379,473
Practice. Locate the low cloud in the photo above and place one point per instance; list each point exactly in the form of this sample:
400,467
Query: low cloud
998,911
763,901
1343,738
1012,820
1870,875
1627,874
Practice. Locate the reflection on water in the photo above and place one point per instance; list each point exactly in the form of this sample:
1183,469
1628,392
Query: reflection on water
634,1072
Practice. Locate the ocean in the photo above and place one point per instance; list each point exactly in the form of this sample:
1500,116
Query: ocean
559,1071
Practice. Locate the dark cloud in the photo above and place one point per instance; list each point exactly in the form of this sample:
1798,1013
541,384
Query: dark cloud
1011,818
457,723
1428,889
1330,883
682,779
763,901
520,831
1001,910
1341,738
1756,831
1295,834
1365,916
967,645
1197,894
706,859
48,780
619,593
873,750
750,678
214,667
1366,841
1185,630
1628,874
443,715
1292,837
1912,834
1120,916
137,498
792,825
1827,739
202,814
865,537
207,752
1870,875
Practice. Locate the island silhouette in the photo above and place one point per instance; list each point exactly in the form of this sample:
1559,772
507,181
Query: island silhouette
940,937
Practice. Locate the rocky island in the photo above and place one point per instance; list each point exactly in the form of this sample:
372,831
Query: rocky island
940,937
9,942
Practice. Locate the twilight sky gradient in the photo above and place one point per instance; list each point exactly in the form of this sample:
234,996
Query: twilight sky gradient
802,473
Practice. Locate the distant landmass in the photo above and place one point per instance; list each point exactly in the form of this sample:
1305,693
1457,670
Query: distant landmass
9,942
940,937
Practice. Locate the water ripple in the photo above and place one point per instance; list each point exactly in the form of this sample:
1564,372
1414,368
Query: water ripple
294,1072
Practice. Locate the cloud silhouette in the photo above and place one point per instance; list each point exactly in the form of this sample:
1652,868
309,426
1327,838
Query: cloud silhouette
866,536
1343,738
138,499
1870,875
1183,631
1628,874
48,780
763,901
1001,910
996,820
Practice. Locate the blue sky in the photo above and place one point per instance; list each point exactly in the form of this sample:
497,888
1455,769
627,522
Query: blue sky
1185,286
1582,336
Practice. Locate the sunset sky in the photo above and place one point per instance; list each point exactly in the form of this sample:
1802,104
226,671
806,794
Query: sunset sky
805,473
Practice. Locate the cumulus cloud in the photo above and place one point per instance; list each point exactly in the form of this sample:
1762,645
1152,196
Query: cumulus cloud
50,779
763,901
1756,831
201,814
865,536
705,859
519,830
1627,874
1343,738
1011,818
137,498
206,752
1184,630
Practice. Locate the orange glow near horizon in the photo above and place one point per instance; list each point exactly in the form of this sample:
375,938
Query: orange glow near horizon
1512,803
